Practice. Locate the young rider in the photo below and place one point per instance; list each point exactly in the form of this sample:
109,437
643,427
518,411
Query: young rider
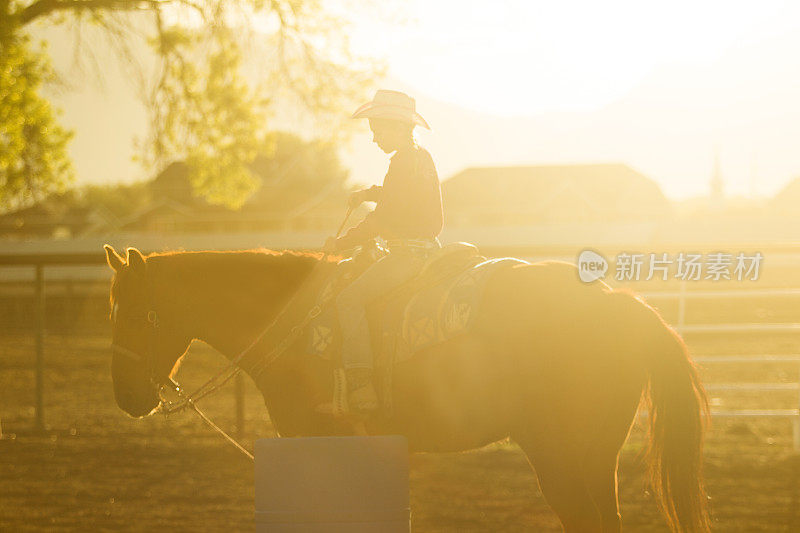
408,216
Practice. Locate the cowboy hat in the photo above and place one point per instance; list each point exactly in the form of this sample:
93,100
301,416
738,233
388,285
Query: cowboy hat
392,105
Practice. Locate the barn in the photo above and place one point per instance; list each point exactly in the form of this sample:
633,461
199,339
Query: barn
528,195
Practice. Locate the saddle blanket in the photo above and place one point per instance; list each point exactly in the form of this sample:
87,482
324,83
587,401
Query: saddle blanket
408,323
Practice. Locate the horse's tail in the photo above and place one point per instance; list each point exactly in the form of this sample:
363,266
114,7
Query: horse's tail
678,415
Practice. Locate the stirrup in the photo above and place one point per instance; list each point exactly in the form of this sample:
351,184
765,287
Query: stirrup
363,400
360,402
361,395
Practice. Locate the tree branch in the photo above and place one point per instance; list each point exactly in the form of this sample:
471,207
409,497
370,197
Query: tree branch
43,8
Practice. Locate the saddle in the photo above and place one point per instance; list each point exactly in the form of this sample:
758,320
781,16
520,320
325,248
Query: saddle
439,303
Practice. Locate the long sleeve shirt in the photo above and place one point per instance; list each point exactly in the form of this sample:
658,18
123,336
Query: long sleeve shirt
409,203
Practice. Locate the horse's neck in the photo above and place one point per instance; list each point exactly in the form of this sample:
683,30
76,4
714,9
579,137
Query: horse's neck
231,306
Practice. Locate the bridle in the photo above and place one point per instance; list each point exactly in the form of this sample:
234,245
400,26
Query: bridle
151,319
159,384
162,384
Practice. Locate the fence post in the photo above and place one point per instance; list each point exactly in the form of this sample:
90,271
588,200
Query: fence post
40,325
239,381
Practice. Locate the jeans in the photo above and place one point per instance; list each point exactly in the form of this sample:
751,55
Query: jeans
390,271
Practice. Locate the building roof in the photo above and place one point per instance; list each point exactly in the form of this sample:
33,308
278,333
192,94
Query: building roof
530,194
280,201
49,217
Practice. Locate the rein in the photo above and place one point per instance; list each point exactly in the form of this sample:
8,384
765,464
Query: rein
167,407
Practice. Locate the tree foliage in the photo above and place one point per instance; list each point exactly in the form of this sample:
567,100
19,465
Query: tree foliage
33,157
204,107
209,116
307,164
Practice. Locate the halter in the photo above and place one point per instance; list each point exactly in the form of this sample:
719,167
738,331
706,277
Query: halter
162,384
188,400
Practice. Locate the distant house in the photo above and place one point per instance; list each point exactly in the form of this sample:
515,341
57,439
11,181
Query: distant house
510,196
301,186
56,217
278,205
171,207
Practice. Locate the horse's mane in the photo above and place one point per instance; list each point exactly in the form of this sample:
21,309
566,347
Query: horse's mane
256,254
287,263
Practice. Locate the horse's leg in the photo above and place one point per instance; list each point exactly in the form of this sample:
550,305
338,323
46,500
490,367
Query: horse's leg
600,464
601,480
563,485
573,445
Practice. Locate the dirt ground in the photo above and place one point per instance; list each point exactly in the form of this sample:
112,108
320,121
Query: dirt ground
97,470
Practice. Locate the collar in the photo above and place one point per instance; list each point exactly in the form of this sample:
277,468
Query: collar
404,149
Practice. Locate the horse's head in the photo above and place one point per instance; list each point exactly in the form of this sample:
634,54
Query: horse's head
147,340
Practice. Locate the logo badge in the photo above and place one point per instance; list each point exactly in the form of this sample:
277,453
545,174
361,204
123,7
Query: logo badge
591,266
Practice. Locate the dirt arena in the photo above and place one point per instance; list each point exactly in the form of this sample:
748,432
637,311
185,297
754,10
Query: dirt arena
95,469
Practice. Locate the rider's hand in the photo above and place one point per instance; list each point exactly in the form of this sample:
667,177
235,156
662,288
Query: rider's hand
356,199
330,245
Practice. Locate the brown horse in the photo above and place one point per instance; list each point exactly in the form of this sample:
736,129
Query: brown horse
558,365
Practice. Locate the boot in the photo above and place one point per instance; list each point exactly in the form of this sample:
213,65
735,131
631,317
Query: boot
362,397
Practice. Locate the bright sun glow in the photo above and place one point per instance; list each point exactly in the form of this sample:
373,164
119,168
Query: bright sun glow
620,80
530,57
667,88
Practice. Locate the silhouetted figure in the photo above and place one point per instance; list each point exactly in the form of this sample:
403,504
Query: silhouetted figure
408,216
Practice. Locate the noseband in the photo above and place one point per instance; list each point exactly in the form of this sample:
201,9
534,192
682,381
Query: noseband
158,383
162,384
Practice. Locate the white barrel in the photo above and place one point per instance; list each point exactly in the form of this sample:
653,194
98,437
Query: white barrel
332,484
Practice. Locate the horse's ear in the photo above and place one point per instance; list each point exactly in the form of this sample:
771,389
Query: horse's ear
135,258
112,258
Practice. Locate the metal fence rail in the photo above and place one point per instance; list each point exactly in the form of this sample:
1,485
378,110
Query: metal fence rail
38,262
793,414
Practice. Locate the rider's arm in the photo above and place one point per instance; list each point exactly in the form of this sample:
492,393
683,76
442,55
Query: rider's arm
372,194
409,203
369,227
356,235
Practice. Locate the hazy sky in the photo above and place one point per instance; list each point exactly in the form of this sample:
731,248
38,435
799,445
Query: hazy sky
524,57
662,87
665,87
